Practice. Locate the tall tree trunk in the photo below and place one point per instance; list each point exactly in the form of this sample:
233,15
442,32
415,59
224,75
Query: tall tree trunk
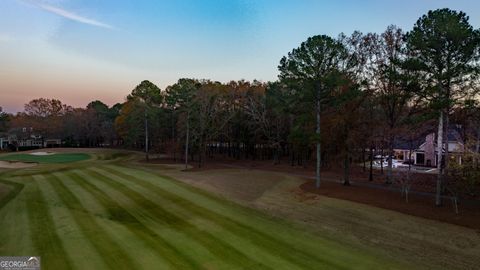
317,176
300,156
186,140
363,159
390,159
202,155
381,160
146,136
447,160
229,147
275,155
303,156
477,147
370,175
438,197
346,168
173,138
292,160
407,190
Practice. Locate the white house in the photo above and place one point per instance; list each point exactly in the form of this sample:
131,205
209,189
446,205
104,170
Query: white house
425,154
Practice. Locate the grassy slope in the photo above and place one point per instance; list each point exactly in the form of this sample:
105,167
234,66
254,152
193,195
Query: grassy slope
424,243
108,216
55,158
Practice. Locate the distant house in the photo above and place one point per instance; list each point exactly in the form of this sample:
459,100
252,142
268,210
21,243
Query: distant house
3,141
425,152
52,143
24,137
402,149
32,141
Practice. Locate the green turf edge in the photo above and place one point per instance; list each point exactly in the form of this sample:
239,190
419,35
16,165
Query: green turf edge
60,158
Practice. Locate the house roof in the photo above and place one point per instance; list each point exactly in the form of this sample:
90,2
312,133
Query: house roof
401,143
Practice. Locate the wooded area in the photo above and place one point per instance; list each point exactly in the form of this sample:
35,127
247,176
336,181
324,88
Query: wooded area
337,102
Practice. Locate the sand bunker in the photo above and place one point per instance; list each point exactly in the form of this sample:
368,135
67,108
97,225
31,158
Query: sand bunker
16,164
42,153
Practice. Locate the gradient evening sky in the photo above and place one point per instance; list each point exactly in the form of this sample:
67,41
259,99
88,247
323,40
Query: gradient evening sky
82,50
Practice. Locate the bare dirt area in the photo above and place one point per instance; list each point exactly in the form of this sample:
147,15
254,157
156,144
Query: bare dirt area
16,165
428,243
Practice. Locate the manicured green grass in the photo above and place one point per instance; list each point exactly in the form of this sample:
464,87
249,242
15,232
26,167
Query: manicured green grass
54,158
107,216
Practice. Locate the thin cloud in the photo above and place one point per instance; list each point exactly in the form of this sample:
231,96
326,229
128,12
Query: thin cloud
71,16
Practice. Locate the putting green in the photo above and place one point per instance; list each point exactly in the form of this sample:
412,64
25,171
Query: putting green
106,216
53,158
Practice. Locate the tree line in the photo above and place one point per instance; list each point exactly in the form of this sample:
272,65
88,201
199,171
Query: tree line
337,101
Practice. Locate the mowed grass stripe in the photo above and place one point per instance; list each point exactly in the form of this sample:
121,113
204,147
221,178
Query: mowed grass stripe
15,238
69,232
114,256
224,251
267,240
16,188
164,249
250,248
171,238
43,232
117,231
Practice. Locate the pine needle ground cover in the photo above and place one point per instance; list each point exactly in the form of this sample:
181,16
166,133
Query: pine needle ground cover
106,215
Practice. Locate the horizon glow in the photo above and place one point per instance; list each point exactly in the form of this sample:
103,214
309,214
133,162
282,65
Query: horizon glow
79,51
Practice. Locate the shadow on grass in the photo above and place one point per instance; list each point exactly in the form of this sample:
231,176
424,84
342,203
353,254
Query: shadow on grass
17,187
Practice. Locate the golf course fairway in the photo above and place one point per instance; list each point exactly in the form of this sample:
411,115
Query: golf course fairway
108,215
